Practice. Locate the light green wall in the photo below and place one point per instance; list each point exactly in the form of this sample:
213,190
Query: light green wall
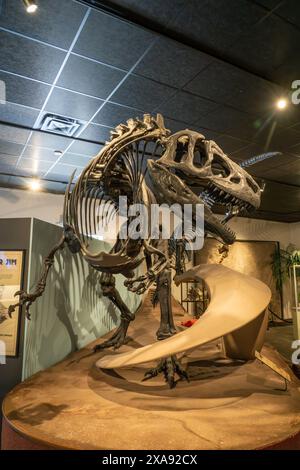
72,311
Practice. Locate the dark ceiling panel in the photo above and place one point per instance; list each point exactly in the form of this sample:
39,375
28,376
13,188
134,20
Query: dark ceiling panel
139,92
62,172
6,160
11,148
226,95
289,10
18,115
263,48
112,115
39,153
75,160
280,198
29,58
186,107
89,77
216,24
14,134
218,82
34,166
228,120
85,148
66,103
167,9
96,133
22,91
38,26
51,141
230,144
114,42
172,63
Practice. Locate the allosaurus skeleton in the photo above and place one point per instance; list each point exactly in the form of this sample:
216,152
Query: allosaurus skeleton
146,163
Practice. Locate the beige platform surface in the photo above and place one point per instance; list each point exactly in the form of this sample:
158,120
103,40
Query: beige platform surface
226,405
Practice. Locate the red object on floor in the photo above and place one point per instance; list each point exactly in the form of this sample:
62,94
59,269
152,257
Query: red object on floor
189,323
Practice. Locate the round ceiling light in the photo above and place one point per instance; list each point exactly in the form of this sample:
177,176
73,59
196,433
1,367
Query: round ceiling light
35,185
30,6
281,103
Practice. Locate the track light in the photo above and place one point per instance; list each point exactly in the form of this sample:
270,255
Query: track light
34,185
281,104
30,6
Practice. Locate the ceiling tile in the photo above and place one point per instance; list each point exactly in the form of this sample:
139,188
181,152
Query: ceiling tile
173,125
51,141
29,58
167,9
230,121
14,134
217,82
61,172
11,148
75,160
38,25
216,24
280,198
112,41
255,95
263,48
112,115
290,11
139,92
189,108
85,148
8,159
17,114
6,168
89,77
96,132
67,103
22,91
39,153
286,139
172,63
229,144
34,166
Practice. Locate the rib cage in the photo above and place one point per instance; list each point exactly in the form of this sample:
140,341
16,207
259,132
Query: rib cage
119,169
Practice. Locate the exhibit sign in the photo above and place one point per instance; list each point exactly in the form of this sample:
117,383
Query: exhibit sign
11,270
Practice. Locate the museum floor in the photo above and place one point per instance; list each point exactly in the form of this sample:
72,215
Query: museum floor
75,405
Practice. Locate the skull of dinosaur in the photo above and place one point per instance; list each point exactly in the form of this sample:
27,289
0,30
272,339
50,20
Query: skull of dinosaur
203,165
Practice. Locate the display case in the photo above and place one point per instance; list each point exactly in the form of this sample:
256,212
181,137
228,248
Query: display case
194,298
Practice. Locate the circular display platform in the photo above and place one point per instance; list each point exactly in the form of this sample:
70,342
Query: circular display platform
226,405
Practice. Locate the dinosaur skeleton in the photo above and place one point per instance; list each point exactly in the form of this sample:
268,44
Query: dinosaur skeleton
144,162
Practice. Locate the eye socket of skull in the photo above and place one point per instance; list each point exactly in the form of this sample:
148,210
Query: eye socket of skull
219,167
200,155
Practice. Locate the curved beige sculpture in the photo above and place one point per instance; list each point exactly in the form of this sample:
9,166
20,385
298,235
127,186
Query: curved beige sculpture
236,312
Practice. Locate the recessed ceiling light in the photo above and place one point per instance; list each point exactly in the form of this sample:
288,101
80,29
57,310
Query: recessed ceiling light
30,6
281,103
35,185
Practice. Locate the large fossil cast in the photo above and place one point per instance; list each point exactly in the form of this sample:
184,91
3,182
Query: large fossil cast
147,164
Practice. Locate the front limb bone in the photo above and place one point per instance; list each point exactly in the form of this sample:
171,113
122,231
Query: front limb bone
26,298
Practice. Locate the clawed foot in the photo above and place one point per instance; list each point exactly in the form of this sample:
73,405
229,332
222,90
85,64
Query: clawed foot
170,367
24,299
117,340
140,284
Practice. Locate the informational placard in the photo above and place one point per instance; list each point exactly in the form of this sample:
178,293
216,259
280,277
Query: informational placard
11,269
